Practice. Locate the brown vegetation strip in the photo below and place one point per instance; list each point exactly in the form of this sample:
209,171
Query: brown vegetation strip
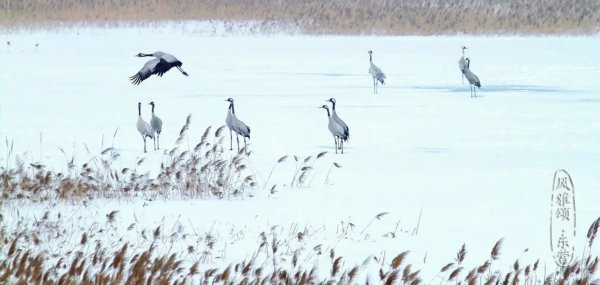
21,262
391,17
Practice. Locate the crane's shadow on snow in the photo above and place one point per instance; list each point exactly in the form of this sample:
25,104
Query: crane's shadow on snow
498,88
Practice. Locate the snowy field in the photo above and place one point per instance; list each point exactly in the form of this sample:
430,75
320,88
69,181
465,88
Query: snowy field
462,170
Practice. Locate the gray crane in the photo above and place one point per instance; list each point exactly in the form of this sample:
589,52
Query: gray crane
338,120
472,78
162,63
378,75
236,125
156,124
462,63
143,127
336,130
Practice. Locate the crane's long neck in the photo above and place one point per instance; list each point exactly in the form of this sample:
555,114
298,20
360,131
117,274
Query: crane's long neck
328,115
152,109
139,110
370,57
463,50
333,105
231,108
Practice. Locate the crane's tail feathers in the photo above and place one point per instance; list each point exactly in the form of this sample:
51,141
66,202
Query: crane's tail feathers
245,134
478,84
381,78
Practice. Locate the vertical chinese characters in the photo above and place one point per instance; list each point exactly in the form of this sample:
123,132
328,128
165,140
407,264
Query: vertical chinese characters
562,219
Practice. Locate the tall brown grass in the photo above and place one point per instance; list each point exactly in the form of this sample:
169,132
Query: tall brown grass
22,263
391,17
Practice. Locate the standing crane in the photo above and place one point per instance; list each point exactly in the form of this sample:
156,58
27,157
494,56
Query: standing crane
378,75
472,78
336,130
162,63
338,120
462,64
156,124
144,128
236,125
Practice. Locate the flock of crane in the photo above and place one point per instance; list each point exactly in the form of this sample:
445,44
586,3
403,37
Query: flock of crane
163,62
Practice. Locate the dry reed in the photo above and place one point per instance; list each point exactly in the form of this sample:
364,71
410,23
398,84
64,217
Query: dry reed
391,17
203,172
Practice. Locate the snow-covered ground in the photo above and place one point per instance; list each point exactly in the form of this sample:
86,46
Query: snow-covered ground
477,169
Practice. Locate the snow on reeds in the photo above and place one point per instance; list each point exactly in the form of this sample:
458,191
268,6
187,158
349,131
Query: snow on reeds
21,262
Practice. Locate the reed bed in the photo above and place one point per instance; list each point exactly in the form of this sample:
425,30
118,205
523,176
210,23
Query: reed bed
205,171
389,17
22,263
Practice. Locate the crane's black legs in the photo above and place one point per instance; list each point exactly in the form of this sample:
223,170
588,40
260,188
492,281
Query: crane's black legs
339,144
335,141
237,137
473,91
157,141
374,85
230,140
245,149
144,138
